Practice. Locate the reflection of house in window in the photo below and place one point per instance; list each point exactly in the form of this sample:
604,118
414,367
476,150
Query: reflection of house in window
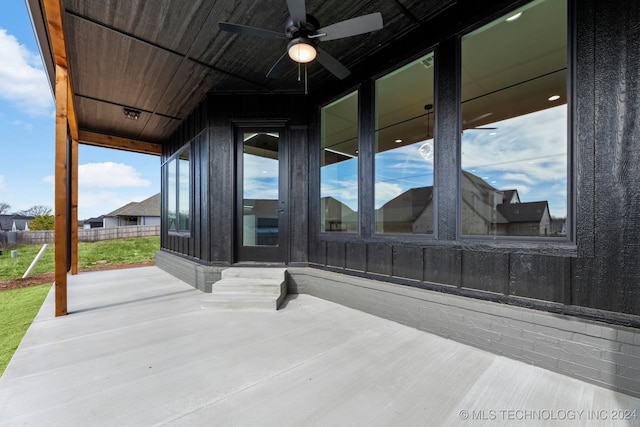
487,210
410,212
526,219
338,216
260,222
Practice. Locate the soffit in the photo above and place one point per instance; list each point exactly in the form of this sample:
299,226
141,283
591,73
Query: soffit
163,57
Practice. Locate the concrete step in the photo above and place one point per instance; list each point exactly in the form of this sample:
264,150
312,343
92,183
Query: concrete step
242,302
253,273
248,288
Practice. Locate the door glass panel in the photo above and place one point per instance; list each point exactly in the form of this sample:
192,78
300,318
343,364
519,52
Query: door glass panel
260,197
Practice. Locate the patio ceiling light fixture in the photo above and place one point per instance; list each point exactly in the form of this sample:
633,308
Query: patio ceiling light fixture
131,114
301,50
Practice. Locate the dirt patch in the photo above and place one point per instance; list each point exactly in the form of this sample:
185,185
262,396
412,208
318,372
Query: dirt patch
40,279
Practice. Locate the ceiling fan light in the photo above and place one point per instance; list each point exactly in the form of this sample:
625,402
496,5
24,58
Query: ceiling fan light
301,51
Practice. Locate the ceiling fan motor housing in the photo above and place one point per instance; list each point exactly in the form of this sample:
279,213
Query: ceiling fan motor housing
301,29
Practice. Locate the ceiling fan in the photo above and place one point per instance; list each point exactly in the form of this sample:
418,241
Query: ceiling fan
304,34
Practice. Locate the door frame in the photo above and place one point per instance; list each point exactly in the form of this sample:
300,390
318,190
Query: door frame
262,254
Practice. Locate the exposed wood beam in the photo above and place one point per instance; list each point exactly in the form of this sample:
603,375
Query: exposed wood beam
74,205
61,193
53,13
126,144
73,122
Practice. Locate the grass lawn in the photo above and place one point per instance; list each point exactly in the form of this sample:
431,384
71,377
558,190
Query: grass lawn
125,251
18,307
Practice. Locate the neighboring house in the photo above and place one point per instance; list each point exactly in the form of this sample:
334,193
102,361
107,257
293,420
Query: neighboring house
410,212
19,222
146,212
526,219
337,216
489,211
97,222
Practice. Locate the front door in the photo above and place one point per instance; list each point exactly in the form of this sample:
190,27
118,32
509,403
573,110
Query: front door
261,219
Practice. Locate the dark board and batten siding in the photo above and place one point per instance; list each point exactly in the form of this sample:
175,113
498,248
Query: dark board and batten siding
210,131
192,132
597,275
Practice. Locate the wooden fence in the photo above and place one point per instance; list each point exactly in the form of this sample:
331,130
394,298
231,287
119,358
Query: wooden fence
8,238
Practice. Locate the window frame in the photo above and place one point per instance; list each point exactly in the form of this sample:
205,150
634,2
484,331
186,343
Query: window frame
447,125
339,235
176,157
570,222
390,236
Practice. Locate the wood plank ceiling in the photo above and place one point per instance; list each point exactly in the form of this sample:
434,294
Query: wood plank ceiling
162,57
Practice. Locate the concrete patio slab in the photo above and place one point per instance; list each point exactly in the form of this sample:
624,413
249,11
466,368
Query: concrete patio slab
137,349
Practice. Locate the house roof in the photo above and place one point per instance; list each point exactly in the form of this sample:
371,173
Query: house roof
523,212
95,219
508,196
7,221
147,207
417,198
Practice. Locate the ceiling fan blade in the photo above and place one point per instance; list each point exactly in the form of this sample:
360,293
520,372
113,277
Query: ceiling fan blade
249,31
297,10
279,67
352,27
332,64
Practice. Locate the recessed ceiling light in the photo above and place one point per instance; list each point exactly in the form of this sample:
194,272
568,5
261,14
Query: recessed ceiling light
131,114
554,98
514,17
398,141
493,133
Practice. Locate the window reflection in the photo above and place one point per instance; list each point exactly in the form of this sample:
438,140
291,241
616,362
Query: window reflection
339,166
172,169
514,121
260,189
184,192
404,149
179,193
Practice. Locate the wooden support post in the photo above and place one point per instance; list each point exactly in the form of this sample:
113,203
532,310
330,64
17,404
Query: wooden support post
61,171
74,206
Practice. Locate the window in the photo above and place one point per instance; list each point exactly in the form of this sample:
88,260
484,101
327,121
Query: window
179,193
339,165
514,122
404,149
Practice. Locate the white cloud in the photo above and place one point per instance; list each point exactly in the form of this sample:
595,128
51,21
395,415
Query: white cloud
260,177
101,202
523,190
109,175
23,81
344,191
386,191
521,177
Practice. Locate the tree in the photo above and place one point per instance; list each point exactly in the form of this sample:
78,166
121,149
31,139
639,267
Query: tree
4,208
36,211
42,222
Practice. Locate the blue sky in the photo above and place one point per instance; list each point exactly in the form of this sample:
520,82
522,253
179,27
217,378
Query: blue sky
108,179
